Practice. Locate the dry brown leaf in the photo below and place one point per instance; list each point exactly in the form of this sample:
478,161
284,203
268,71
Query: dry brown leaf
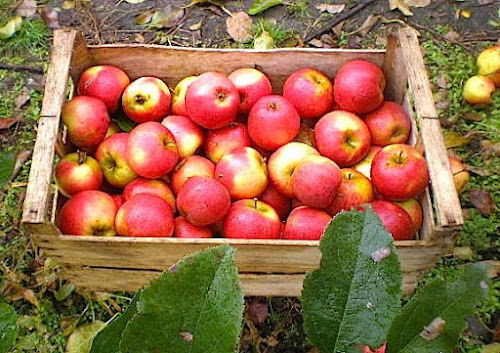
354,42
21,159
258,311
316,43
239,27
478,170
401,6
442,82
167,17
490,149
50,17
22,98
331,8
195,26
26,8
144,18
6,123
417,3
30,296
367,26
68,5
327,40
472,117
337,29
482,200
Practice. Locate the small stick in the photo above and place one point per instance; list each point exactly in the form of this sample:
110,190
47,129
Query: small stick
437,35
337,20
35,69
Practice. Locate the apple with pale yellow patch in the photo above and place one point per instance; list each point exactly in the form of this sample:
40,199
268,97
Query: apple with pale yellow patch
151,150
224,140
188,136
365,165
189,167
185,229
283,162
76,173
488,64
355,189
251,85
414,210
478,90
306,223
310,91
179,96
278,201
152,187
146,99
243,172
251,219
343,137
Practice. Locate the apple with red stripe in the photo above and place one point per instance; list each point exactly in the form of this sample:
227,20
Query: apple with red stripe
388,124
251,85
278,201
224,140
188,136
77,172
185,229
306,223
354,190
395,219
189,167
152,187
146,99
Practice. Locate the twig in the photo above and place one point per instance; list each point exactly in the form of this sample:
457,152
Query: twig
35,69
437,35
337,20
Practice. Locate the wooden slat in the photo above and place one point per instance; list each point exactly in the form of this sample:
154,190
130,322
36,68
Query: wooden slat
36,203
446,201
395,71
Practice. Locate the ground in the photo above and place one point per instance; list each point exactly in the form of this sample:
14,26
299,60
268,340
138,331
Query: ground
50,309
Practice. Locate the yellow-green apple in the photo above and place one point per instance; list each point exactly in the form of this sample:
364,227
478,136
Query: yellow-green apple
359,87
414,210
146,99
273,122
187,134
488,64
251,219
203,200
104,82
399,172
310,91
306,223
145,215
185,229
243,172
283,162
119,200
365,165
212,100
315,181
112,129
251,85
77,172
151,150
278,201
355,189
189,167
478,90
179,96
87,121
343,137
395,219
388,124
111,155
224,140
152,187
90,212
461,176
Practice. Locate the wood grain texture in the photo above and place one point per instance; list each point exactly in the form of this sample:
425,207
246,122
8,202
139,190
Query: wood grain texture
446,201
395,71
36,203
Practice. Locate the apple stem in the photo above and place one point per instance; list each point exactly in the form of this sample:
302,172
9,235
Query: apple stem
82,157
400,157
255,202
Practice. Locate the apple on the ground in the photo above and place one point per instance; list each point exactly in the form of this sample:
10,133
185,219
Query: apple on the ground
77,172
479,90
146,99
461,175
488,64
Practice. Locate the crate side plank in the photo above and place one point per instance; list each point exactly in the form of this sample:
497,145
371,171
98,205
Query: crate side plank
395,71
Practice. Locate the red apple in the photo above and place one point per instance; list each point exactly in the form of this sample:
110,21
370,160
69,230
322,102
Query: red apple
359,87
104,82
187,134
296,203
283,162
315,181
355,189
119,200
414,210
87,121
251,219
152,151
221,141
152,187
203,201
212,100
388,124
399,172
310,91
185,229
273,122
395,219
146,99
189,167
306,223
461,175
90,212
145,215
342,137
179,96
111,155
251,85
243,172
479,90
75,173
278,201
367,349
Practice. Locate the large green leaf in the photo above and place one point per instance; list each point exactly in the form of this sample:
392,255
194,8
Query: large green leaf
8,327
433,319
196,307
7,163
259,6
351,300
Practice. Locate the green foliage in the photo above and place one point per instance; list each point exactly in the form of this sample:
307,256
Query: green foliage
8,327
434,318
124,122
259,6
299,8
351,300
7,162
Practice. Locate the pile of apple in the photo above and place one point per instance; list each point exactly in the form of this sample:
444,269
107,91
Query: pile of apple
478,89
224,156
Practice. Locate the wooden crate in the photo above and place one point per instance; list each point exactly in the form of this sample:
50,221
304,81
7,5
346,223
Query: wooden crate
267,267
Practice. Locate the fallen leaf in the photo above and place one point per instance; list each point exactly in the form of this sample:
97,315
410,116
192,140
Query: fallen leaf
327,40
64,291
213,2
331,8
139,38
264,41
144,18
491,348
30,296
134,1
6,123
478,170
472,117
316,43
167,17
417,3
482,200
50,17
354,42
453,139
82,337
26,8
367,26
239,27
401,6
490,149
22,98
11,27
442,82
195,26
21,159
337,29
67,5
258,311
259,6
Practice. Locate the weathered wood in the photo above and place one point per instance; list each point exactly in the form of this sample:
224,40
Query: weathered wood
36,203
395,71
81,58
446,201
